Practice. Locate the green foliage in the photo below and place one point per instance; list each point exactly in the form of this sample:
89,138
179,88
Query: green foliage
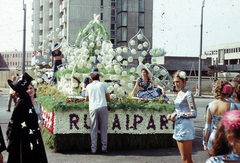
162,52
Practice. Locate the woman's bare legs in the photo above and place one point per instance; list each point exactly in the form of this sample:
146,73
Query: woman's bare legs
185,148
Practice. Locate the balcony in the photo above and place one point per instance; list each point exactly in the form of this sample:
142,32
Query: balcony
50,24
64,3
61,8
41,14
41,3
40,38
50,11
64,32
64,18
50,1
60,22
40,26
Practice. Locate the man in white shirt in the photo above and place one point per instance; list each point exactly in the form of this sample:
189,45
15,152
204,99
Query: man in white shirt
97,95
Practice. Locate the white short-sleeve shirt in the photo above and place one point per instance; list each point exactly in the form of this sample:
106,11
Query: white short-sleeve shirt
96,92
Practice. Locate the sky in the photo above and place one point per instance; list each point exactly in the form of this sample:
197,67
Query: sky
176,25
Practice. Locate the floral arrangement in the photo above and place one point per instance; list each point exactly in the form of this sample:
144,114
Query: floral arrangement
231,120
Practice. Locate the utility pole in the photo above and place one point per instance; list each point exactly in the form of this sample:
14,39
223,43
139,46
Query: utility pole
24,37
200,55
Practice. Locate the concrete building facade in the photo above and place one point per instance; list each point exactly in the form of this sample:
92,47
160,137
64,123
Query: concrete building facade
122,19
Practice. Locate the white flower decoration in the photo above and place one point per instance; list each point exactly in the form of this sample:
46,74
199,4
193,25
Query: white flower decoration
144,53
140,59
119,58
91,37
140,46
91,44
80,65
125,63
84,57
132,78
132,70
133,51
122,82
151,52
130,85
62,69
47,50
67,76
111,51
38,54
97,51
99,65
158,52
57,29
153,60
125,50
124,73
111,77
89,66
108,68
119,50
44,75
92,58
145,44
63,59
44,63
77,75
44,69
182,75
117,70
114,61
85,43
140,36
132,42
163,72
157,80
156,68
37,61
110,88
130,59
75,85
39,74
45,56
113,96
116,86
39,80
99,43
40,47
50,44
70,67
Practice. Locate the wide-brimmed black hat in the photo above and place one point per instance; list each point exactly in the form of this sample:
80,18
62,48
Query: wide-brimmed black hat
21,85
57,46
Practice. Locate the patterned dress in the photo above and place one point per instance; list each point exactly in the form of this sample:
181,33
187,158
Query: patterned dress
148,92
184,127
224,158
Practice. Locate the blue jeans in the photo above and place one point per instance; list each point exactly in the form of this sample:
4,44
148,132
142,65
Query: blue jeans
55,64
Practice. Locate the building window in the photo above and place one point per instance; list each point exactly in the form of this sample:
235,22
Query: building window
101,14
10,55
141,19
119,8
113,3
124,34
18,55
13,63
141,5
124,5
119,20
124,19
112,33
113,41
16,63
10,63
119,35
101,2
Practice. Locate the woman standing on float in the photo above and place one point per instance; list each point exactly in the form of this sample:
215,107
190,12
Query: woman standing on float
185,110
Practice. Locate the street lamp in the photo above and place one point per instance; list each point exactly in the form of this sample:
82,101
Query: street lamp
24,37
200,61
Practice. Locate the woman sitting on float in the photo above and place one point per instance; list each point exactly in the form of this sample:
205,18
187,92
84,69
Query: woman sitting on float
143,85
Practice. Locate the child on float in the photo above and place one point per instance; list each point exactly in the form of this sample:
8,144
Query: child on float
216,109
185,111
226,145
143,85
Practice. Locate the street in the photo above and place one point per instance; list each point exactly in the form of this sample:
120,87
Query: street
166,155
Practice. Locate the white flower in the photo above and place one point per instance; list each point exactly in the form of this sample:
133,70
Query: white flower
92,58
157,80
44,76
124,73
125,63
50,44
86,51
91,44
140,59
59,35
119,58
125,50
132,78
151,52
44,69
96,51
62,69
145,44
108,58
117,70
34,83
37,61
57,29
70,67
122,82
147,65
99,43
67,76
182,75
99,65
163,72
119,50
39,80
144,53
44,63
110,88
132,42
130,85
153,60
111,51
38,54
53,39
89,65
47,50
39,74
77,75
91,37
63,59
132,70
45,56
50,63
111,77
133,51
130,59
140,46
140,36
84,43
84,57
155,68
108,68
116,86
35,71
116,66
80,65
100,58
158,52
75,85
104,44
114,61
113,96
40,47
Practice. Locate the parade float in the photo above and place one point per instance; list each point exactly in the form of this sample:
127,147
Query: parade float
132,123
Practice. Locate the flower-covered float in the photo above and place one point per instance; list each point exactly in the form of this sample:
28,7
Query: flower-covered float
132,123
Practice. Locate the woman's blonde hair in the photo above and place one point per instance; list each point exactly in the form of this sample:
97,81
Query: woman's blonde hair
218,89
180,74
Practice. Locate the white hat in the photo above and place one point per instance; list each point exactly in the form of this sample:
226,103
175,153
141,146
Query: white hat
56,46
139,70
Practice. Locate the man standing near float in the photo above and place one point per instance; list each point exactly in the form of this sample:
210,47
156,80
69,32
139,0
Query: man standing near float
97,95
56,60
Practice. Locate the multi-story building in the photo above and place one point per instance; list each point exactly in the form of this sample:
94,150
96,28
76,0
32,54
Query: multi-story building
122,19
227,55
13,60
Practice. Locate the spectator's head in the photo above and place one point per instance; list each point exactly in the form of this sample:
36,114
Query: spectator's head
227,137
95,75
14,78
222,89
94,70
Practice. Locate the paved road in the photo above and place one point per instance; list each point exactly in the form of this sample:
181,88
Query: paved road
166,155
